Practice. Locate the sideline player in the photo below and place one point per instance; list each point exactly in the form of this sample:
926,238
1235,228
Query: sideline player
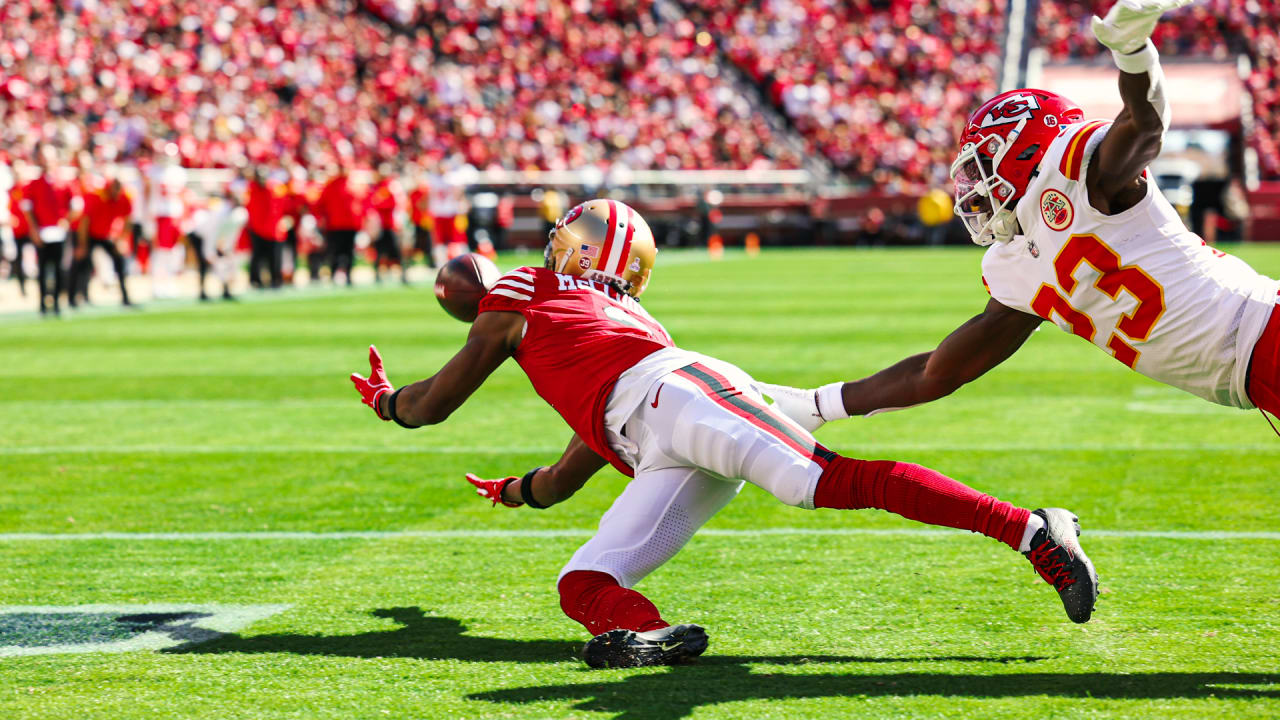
687,427
1079,235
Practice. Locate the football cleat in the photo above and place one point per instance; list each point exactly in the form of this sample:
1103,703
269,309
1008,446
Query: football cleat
1056,556
797,404
670,645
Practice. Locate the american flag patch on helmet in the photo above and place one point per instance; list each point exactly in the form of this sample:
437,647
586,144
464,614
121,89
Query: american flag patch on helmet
590,250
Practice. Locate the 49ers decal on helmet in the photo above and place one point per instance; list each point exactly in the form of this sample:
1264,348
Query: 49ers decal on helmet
1011,110
570,216
1056,209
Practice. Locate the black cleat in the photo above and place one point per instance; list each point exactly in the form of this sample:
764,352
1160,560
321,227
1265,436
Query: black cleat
1056,556
670,645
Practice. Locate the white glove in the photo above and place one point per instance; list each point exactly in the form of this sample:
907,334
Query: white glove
1129,23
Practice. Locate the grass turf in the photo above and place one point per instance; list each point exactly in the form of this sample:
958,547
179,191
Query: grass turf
240,418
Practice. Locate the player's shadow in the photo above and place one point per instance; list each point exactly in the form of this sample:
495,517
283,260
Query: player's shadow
419,636
681,690
438,638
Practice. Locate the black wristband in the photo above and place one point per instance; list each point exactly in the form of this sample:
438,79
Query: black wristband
526,490
391,411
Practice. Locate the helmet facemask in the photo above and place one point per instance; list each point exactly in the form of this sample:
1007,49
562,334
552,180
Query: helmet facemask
984,199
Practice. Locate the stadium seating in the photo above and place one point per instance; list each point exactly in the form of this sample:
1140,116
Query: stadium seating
879,88
1216,29
253,79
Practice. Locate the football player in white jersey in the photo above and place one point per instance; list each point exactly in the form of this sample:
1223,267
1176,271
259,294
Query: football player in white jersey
1079,235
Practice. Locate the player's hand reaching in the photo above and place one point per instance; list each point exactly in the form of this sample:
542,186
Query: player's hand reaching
1129,23
372,388
492,489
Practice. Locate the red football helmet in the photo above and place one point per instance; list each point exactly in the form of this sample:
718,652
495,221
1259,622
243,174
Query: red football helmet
999,151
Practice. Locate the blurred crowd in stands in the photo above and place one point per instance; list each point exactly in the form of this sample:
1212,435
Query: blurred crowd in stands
877,87
293,95
1212,29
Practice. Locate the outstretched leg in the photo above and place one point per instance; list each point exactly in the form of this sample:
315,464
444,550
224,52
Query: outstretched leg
709,415
657,513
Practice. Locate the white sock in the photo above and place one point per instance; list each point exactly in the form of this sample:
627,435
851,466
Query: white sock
831,402
1034,523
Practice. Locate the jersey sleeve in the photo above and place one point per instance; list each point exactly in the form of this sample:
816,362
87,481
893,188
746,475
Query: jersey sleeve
512,292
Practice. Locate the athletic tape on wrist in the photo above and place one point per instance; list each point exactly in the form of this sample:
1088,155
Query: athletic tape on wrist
1147,60
830,401
526,490
391,410
1138,61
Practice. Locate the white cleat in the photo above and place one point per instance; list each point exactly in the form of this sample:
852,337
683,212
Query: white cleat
797,404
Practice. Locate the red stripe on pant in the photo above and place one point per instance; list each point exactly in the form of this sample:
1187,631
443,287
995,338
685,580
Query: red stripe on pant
918,493
1264,367
752,412
597,601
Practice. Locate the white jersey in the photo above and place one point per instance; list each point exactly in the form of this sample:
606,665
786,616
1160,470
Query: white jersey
1137,284
167,183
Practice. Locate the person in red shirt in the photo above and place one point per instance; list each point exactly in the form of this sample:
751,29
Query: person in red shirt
340,209
688,428
18,218
102,226
420,216
47,201
266,206
383,201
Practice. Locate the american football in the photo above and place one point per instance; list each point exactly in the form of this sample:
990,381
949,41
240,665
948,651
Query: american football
462,282
838,359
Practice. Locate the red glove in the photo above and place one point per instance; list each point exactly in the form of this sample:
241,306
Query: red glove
492,489
373,387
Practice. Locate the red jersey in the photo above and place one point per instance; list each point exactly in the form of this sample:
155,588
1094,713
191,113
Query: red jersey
580,336
106,215
48,201
419,209
20,227
265,207
382,201
339,205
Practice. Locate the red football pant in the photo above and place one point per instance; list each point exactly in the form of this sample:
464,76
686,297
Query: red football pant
1264,367
918,493
597,601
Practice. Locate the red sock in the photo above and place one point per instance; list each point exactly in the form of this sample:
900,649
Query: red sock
918,493
597,601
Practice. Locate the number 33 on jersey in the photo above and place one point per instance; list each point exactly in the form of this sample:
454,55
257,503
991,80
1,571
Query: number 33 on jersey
1136,284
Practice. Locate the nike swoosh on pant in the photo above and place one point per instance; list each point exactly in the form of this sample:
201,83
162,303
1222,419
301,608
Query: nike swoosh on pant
655,396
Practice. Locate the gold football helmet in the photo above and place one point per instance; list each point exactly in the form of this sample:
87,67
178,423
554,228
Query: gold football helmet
603,240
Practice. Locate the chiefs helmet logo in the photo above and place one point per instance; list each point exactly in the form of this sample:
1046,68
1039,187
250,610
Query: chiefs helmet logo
1011,110
1056,210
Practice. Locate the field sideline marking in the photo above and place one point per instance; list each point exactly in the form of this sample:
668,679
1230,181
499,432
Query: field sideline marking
584,532
557,449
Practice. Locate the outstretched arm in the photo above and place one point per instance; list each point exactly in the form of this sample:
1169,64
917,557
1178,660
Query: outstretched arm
545,486
972,349
493,338
1115,180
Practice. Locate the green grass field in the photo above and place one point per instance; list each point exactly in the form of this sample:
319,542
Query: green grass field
239,418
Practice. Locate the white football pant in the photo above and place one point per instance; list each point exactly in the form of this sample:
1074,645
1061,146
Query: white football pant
701,431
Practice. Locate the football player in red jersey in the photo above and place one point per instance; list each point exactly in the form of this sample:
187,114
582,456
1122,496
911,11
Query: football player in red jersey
688,428
1078,234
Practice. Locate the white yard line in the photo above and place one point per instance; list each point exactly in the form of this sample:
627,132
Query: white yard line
856,450
587,532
